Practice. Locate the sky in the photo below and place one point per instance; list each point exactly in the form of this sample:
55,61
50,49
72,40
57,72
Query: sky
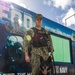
60,11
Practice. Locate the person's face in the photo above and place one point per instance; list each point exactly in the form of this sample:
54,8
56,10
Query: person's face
38,22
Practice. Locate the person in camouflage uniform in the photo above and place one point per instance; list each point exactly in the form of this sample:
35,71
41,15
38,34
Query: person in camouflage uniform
42,50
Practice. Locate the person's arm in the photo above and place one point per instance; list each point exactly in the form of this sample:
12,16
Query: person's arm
51,44
26,43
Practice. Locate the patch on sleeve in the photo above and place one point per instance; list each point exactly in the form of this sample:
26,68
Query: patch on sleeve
28,37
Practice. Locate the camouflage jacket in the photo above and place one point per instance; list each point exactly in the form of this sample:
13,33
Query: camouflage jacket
28,38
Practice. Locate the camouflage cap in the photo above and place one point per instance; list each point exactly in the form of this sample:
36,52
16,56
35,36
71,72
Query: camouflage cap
38,16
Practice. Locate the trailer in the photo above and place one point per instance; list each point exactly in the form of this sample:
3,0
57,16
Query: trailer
14,22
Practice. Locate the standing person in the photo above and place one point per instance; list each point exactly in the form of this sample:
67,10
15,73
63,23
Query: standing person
40,42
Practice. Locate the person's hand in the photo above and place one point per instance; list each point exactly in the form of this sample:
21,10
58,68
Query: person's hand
51,55
27,58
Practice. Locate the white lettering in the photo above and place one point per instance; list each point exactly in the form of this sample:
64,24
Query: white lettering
5,15
0,11
57,69
8,73
27,21
24,74
63,70
49,28
29,73
15,13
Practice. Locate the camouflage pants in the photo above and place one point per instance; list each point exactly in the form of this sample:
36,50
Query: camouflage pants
35,58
